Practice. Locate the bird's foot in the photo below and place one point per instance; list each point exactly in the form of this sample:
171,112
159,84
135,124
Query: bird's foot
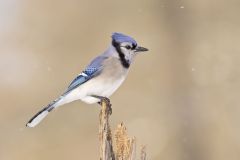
106,101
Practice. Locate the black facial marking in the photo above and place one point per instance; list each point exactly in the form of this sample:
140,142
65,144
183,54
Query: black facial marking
124,62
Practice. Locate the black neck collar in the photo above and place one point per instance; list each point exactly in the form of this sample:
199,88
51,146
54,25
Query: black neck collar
124,62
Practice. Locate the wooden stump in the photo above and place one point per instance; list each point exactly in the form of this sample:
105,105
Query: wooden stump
105,135
125,146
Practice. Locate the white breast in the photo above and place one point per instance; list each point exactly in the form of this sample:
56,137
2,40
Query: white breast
100,88
109,89
107,83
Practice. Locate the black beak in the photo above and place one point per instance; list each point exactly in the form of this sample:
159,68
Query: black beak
141,49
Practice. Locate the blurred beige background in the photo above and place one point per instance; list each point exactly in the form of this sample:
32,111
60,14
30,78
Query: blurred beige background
181,99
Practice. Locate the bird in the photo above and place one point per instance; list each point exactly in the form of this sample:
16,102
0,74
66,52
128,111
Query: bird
100,79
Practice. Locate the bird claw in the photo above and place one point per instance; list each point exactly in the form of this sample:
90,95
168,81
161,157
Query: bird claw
107,102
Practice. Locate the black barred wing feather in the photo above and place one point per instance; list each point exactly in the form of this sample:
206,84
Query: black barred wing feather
92,70
87,74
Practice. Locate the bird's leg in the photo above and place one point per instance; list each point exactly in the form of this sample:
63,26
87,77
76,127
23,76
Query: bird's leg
106,100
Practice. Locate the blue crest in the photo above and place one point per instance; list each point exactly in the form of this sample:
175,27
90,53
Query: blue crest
120,38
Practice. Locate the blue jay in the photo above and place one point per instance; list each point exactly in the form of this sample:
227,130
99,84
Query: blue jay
101,77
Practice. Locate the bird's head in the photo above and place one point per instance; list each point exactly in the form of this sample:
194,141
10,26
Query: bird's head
126,47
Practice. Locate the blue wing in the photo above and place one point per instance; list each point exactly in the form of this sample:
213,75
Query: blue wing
91,71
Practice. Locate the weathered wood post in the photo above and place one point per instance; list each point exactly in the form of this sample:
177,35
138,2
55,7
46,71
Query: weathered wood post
105,135
125,147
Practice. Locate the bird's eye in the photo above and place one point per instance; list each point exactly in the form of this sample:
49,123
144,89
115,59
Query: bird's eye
128,46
